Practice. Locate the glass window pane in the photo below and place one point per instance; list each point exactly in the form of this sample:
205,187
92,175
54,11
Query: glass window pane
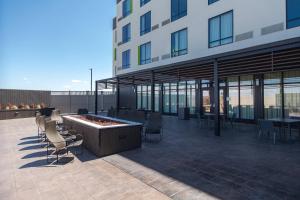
272,101
292,77
247,102
292,100
206,101
273,78
214,29
233,102
166,98
183,40
226,25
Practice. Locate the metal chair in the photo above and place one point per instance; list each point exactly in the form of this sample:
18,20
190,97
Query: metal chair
266,126
153,125
61,144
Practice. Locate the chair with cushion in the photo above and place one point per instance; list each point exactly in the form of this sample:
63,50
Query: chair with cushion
153,126
60,144
267,127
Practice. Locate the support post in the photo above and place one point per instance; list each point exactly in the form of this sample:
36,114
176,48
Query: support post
216,99
96,97
118,95
152,91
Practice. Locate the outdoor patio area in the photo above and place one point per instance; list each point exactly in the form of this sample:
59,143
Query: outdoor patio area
189,163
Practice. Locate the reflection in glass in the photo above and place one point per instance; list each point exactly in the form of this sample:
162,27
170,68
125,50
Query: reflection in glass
144,97
173,97
292,94
156,97
247,97
181,94
149,97
191,96
233,97
166,98
206,101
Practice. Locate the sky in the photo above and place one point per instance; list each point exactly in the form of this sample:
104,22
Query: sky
51,44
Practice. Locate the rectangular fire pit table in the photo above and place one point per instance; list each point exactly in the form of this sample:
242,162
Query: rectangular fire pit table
104,136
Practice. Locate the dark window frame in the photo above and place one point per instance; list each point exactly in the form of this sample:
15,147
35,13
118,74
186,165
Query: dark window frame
220,24
126,13
128,33
146,60
181,14
290,20
180,52
127,64
144,2
146,29
212,1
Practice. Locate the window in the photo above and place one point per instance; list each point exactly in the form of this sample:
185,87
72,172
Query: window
293,13
145,53
212,1
191,96
143,2
233,97
178,9
292,94
272,95
126,59
127,7
179,44
145,23
221,29
247,97
126,33
166,98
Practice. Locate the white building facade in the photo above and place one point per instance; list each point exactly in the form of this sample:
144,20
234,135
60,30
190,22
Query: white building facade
172,54
252,22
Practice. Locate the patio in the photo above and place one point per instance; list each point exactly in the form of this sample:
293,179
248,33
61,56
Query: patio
189,163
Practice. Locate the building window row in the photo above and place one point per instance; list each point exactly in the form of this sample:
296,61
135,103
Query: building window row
280,96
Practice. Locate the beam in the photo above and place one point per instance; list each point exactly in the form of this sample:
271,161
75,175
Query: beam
216,99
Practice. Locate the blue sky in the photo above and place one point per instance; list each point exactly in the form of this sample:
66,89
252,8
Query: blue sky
51,44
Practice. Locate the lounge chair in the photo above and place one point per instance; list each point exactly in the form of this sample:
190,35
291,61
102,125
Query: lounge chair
61,144
153,125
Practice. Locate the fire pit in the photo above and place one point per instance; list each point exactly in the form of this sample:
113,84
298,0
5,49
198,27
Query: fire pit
104,135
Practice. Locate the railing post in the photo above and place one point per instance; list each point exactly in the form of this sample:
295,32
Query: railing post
96,97
118,94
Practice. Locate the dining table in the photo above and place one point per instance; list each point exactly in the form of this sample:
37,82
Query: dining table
285,122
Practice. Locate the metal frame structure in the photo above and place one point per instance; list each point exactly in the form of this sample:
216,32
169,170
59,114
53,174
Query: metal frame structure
274,57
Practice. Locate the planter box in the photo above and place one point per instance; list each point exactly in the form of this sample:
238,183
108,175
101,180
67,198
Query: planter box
107,140
15,114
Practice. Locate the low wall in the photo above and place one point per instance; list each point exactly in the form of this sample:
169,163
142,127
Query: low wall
65,101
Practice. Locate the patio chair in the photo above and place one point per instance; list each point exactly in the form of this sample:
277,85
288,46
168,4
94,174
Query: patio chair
37,122
265,126
153,125
61,144
202,120
232,119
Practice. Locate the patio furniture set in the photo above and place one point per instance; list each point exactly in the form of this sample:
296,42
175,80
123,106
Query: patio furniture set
101,135
52,131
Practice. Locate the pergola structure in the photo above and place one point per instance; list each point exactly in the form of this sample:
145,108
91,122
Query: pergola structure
274,57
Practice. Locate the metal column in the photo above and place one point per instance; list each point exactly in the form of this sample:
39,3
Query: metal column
118,94
216,99
152,91
96,98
